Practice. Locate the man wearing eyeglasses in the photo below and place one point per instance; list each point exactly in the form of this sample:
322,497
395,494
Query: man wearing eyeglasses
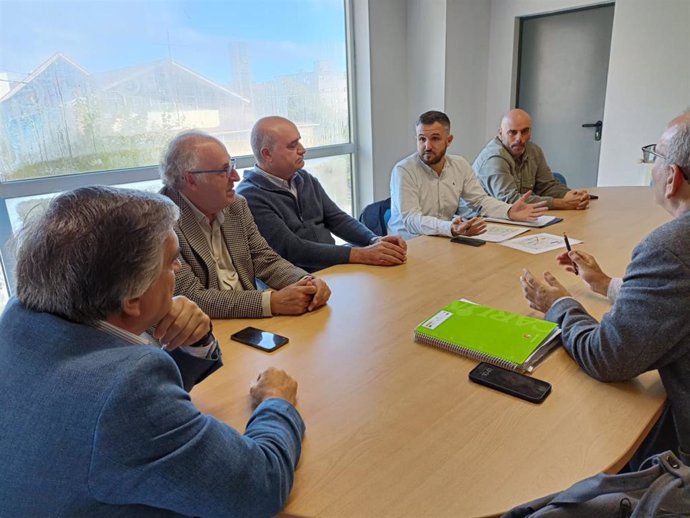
221,250
294,213
510,165
648,326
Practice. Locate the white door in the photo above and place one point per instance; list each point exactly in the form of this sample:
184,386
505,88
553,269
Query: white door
564,61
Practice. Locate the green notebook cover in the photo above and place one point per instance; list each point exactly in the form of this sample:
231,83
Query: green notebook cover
503,338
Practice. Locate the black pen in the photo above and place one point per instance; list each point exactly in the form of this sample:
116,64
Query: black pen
567,246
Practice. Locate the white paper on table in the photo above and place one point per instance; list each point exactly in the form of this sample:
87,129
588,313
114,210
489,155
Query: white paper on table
497,233
538,243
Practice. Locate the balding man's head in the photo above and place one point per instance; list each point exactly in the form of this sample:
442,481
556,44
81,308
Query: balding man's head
276,146
515,131
674,143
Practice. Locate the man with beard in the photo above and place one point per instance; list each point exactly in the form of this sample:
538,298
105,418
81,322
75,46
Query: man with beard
510,165
428,186
647,327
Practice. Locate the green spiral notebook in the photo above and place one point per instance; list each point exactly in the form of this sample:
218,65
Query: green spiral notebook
506,339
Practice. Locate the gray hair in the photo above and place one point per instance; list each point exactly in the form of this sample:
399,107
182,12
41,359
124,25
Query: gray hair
93,248
431,117
180,156
678,151
261,137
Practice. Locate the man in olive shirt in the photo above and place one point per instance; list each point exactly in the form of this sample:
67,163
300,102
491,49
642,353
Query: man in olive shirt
510,165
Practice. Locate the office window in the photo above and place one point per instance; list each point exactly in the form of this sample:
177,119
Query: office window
94,89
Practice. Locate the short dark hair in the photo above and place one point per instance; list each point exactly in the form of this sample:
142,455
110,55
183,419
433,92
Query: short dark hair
431,117
93,248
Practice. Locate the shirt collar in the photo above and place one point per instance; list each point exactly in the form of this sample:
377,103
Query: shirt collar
200,216
429,169
278,182
123,334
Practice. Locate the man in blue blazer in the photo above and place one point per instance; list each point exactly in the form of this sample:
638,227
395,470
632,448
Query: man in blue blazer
648,326
96,417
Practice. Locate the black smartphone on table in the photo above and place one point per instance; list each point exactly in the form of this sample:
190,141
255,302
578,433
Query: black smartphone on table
259,338
513,383
467,241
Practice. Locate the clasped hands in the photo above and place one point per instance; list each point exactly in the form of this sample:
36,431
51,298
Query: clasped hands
307,294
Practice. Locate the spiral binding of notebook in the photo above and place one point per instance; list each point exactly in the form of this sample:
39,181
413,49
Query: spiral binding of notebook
469,353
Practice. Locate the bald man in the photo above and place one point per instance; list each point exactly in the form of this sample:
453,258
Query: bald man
510,165
294,213
647,327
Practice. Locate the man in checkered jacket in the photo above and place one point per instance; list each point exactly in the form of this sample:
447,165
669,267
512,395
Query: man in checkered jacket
221,250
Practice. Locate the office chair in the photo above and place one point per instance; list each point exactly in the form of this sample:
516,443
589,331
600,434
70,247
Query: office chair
559,177
375,216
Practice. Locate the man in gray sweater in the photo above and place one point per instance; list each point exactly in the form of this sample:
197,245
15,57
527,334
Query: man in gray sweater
647,327
294,213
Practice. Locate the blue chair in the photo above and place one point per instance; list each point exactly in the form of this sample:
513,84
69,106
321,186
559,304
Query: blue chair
559,177
375,216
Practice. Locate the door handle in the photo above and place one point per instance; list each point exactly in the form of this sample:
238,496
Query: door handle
597,125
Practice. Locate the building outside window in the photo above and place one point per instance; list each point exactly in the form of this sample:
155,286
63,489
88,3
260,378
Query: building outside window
91,91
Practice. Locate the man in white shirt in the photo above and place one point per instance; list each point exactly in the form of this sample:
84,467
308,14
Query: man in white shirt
427,187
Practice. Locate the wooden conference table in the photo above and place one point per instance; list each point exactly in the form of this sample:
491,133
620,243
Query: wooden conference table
395,428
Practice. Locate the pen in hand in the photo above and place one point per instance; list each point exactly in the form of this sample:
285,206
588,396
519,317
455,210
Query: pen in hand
567,246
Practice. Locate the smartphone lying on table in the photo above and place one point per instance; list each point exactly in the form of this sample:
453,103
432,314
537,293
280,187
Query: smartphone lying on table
467,241
259,338
510,382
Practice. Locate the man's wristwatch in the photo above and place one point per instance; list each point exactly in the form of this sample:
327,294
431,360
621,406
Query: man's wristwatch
207,339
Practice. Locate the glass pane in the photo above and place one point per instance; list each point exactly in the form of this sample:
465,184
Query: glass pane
97,85
19,208
335,175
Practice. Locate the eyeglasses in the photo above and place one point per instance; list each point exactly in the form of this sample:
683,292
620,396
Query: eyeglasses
227,170
650,154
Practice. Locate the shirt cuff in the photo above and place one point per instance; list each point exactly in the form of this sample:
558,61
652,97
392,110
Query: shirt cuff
204,351
614,288
560,299
266,303
444,228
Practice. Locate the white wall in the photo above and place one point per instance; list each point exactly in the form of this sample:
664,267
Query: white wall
426,56
648,84
467,61
382,92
